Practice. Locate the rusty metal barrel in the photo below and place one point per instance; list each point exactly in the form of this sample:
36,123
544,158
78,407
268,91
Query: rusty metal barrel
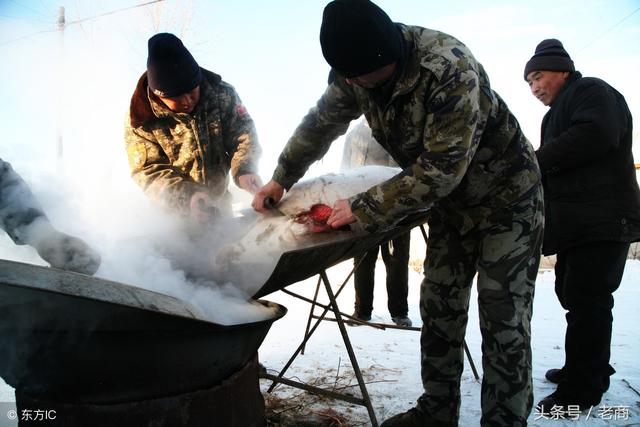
89,346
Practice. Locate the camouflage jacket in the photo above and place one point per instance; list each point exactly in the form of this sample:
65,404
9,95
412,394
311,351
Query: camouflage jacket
18,205
172,155
460,148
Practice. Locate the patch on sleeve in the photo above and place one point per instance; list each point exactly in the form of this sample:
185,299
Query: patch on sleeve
241,110
137,154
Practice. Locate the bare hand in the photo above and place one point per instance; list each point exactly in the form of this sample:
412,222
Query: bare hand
202,208
341,214
272,190
250,183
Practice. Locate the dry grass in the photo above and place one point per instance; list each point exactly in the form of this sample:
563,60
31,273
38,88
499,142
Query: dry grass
288,406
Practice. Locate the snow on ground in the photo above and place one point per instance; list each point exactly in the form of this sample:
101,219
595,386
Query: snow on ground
390,359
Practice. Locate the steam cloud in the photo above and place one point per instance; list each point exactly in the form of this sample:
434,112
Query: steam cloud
216,269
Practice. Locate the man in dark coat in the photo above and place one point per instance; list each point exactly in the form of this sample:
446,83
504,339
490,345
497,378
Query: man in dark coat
592,204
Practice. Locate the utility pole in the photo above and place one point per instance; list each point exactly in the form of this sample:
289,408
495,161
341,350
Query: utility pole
61,24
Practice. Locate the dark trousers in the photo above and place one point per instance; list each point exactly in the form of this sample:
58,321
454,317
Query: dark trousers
504,251
395,255
586,277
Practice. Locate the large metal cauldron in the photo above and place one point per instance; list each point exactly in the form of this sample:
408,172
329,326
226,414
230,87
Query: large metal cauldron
74,338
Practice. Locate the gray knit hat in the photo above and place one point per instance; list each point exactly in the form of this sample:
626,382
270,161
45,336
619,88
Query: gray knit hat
550,56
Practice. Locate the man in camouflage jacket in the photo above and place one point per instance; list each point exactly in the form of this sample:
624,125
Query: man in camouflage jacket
429,103
186,129
22,217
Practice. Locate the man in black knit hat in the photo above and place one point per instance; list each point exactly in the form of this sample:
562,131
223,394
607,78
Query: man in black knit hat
429,103
185,131
592,214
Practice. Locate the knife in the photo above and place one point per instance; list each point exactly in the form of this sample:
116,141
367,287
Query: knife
270,204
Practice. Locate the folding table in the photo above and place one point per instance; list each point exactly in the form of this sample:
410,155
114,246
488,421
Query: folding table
300,264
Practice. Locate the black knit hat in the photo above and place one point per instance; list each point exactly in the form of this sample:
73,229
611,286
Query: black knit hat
550,56
171,70
357,37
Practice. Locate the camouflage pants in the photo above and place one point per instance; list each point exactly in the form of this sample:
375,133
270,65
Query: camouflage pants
504,250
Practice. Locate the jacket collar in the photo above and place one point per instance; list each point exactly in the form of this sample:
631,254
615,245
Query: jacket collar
573,77
410,74
145,106
405,77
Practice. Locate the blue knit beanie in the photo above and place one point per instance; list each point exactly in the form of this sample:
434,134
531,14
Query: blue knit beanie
171,69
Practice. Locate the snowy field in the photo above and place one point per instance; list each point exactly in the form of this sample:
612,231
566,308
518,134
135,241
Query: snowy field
390,362
390,359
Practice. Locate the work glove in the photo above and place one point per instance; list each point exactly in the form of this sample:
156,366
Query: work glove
67,252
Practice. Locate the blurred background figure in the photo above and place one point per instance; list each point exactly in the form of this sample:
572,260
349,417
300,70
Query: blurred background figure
361,149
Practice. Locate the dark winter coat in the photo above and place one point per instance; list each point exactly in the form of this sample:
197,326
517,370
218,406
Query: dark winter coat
589,178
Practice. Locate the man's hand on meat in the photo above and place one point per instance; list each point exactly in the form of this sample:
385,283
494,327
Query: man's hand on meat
341,215
272,191
318,218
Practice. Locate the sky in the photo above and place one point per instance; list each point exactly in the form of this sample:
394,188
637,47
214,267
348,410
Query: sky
79,84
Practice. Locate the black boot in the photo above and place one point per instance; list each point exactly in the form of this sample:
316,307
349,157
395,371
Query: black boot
359,316
402,320
415,417
555,376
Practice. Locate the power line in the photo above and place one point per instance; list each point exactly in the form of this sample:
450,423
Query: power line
78,21
607,30
29,8
48,8
112,12
26,37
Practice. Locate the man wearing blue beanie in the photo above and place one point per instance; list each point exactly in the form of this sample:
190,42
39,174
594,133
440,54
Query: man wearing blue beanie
429,103
185,131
